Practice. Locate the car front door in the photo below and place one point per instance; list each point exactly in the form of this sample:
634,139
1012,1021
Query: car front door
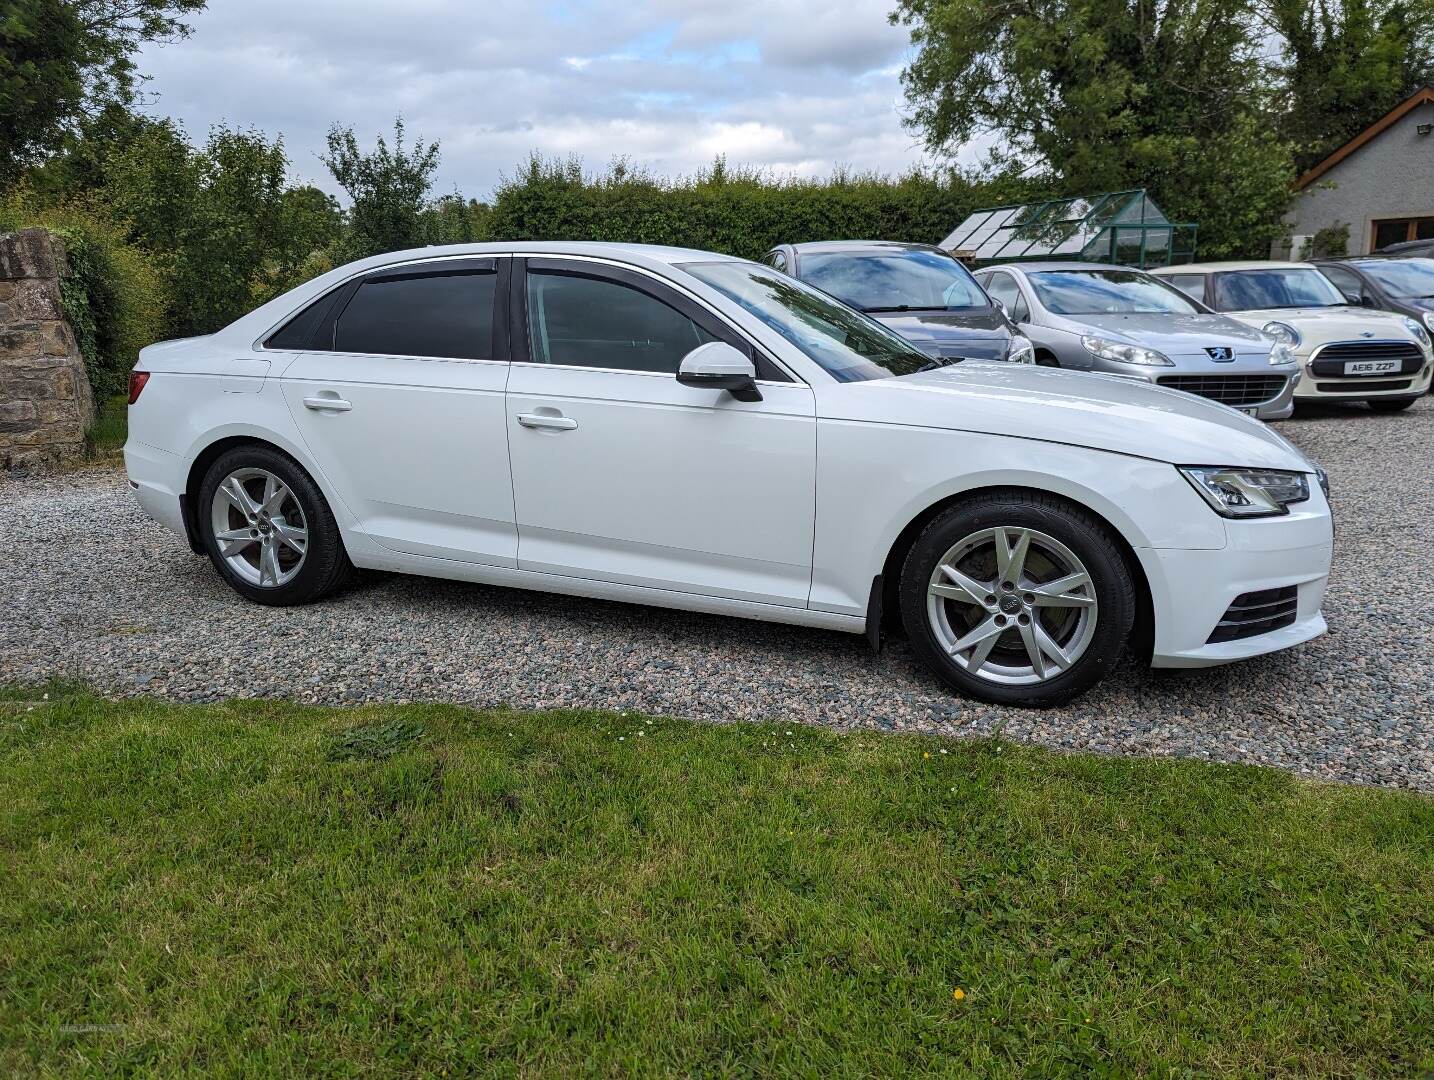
623,474
398,389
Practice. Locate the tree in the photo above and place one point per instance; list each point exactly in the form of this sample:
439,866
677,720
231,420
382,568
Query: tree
388,188
64,59
1344,64
1110,94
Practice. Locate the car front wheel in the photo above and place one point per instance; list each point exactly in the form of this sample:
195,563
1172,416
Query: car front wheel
1018,599
268,529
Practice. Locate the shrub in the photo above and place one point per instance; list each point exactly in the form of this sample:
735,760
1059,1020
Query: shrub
114,295
738,211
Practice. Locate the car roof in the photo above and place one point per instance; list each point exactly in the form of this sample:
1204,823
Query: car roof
815,246
1035,265
1233,264
598,249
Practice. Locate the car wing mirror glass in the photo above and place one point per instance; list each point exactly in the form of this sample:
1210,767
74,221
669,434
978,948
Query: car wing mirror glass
718,366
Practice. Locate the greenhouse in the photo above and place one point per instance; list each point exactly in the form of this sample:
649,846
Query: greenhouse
1123,227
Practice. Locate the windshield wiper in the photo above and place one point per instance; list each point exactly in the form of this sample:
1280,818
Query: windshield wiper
898,307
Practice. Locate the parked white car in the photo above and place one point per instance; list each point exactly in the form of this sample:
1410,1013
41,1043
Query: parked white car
688,430
1348,353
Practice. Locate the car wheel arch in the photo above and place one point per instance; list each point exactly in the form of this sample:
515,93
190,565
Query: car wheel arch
1142,636
211,452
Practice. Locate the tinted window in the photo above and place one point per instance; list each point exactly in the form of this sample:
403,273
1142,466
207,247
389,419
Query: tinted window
298,332
1192,285
892,281
441,315
1093,292
850,346
778,261
591,322
1004,288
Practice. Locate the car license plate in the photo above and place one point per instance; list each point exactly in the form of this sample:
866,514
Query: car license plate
1370,367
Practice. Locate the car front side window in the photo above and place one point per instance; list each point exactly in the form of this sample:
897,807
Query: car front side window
577,320
1004,288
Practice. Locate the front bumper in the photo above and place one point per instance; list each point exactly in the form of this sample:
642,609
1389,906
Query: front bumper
1362,387
1191,590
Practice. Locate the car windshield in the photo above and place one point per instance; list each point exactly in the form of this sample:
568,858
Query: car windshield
894,281
1297,287
847,344
1098,292
1408,279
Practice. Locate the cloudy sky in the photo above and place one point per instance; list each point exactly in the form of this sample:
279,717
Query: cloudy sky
797,86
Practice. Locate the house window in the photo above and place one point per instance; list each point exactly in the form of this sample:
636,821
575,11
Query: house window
1398,230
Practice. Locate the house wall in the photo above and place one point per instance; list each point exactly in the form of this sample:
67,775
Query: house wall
1391,176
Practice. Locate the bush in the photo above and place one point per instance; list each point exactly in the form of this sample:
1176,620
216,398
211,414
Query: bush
114,295
738,211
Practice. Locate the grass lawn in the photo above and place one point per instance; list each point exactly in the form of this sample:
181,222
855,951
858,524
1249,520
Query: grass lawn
263,888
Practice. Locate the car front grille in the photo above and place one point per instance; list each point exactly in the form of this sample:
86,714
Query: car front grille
1330,359
1255,613
1364,387
1229,389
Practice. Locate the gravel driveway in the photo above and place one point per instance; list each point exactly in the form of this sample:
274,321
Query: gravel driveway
91,588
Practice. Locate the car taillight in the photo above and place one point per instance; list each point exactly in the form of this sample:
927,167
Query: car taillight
137,379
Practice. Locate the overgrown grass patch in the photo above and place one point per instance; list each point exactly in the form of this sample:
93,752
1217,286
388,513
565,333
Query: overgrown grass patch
263,888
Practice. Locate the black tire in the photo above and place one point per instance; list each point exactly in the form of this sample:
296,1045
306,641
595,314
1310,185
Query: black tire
1391,404
1082,534
325,568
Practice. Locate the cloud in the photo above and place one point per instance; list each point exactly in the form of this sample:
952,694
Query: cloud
794,86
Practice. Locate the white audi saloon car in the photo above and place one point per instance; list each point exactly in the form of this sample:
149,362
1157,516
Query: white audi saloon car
689,430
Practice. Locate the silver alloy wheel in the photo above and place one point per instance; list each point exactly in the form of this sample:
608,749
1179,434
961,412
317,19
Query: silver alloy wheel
1012,605
260,527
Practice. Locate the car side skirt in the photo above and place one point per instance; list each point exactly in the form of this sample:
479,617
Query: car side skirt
428,566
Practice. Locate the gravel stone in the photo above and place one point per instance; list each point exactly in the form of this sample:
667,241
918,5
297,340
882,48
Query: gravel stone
90,588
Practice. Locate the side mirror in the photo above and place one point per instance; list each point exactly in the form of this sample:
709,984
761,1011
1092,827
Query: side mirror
718,366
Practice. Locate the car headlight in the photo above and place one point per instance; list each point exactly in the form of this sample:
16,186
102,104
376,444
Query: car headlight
1243,493
1283,332
1417,330
1125,354
1021,350
1282,353
1429,320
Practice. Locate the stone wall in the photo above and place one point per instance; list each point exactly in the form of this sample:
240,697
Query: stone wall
45,401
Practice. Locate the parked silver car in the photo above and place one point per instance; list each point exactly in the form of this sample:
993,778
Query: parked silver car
1122,321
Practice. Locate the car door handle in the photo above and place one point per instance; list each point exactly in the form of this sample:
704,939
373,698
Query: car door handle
331,404
542,420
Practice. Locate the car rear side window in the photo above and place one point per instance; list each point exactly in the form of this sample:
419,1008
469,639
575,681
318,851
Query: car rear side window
442,315
1192,285
580,321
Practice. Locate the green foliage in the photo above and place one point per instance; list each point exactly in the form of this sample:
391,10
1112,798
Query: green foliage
63,59
388,188
1171,98
205,889
738,212
1331,242
452,219
114,294
1345,64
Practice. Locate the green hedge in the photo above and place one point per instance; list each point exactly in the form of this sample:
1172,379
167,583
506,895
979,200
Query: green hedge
739,212
114,295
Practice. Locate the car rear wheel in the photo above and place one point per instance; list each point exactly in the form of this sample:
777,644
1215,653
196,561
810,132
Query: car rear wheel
268,530
1390,404
1017,599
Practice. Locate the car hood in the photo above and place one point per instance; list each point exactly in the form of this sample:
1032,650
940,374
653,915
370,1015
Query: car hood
1322,324
1102,412
1174,333
976,335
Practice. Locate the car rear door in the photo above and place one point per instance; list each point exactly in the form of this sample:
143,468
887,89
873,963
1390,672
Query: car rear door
398,392
623,474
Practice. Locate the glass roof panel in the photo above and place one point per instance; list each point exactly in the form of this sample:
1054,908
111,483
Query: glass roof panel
1076,227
